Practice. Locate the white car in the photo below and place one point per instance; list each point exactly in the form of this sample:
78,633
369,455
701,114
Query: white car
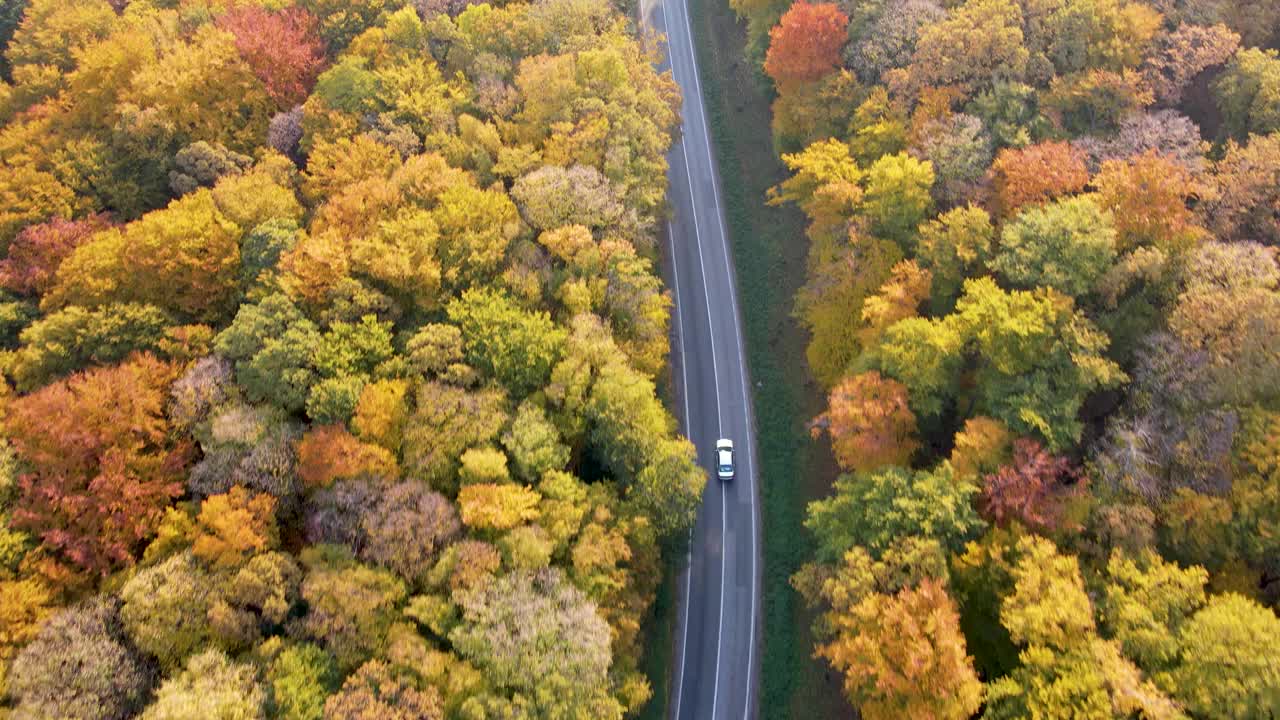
724,459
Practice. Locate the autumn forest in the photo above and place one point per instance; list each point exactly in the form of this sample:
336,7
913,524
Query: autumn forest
1043,298
332,334
335,346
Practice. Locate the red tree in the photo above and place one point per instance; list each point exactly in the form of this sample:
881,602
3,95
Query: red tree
102,467
281,48
1033,489
37,251
806,42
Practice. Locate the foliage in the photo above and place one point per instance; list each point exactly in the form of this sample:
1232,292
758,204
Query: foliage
1248,93
1065,245
280,48
869,423
870,510
301,677
806,43
1037,173
904,655
212,686
537,634
80,666
350,606
1230,659
102,463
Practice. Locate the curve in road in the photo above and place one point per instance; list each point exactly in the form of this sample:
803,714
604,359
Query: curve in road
716,671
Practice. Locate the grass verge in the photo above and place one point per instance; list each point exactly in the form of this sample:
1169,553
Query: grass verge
769,248
657,662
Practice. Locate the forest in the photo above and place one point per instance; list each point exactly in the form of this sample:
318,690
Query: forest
1043,300
332,340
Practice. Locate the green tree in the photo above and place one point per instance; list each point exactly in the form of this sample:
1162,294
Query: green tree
273,346
871,510
1248,93
1230,660
1147,602
897,196
1067,246
165,609
301,677
515,346
69,339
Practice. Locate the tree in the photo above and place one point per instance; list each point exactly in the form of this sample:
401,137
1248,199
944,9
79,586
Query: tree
668,490
1066,245
497,507
1035,174
255,601
1245,199
898,196
235,107
184,258
513,345
80,666
552,197
870,510
955,246
378,691
980,448
805,44
1230,659
71,338
1032,490
960,151
102,463
1248,93
201,165
406,527
165,609
980,43
1147,602
1098,34
272,345
1183,54
1227,311
476,227
211,686
32,262
888,41
1148,195
1048,606
900,297
447,421
1040,358
534,443
825,184
328,452
302,676
903,655
869,423
280,47
234,525
341,21
350,607
534,633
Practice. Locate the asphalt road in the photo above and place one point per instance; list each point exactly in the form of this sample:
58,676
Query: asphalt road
717,658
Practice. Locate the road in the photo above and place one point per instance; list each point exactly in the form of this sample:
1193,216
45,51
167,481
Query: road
717,657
